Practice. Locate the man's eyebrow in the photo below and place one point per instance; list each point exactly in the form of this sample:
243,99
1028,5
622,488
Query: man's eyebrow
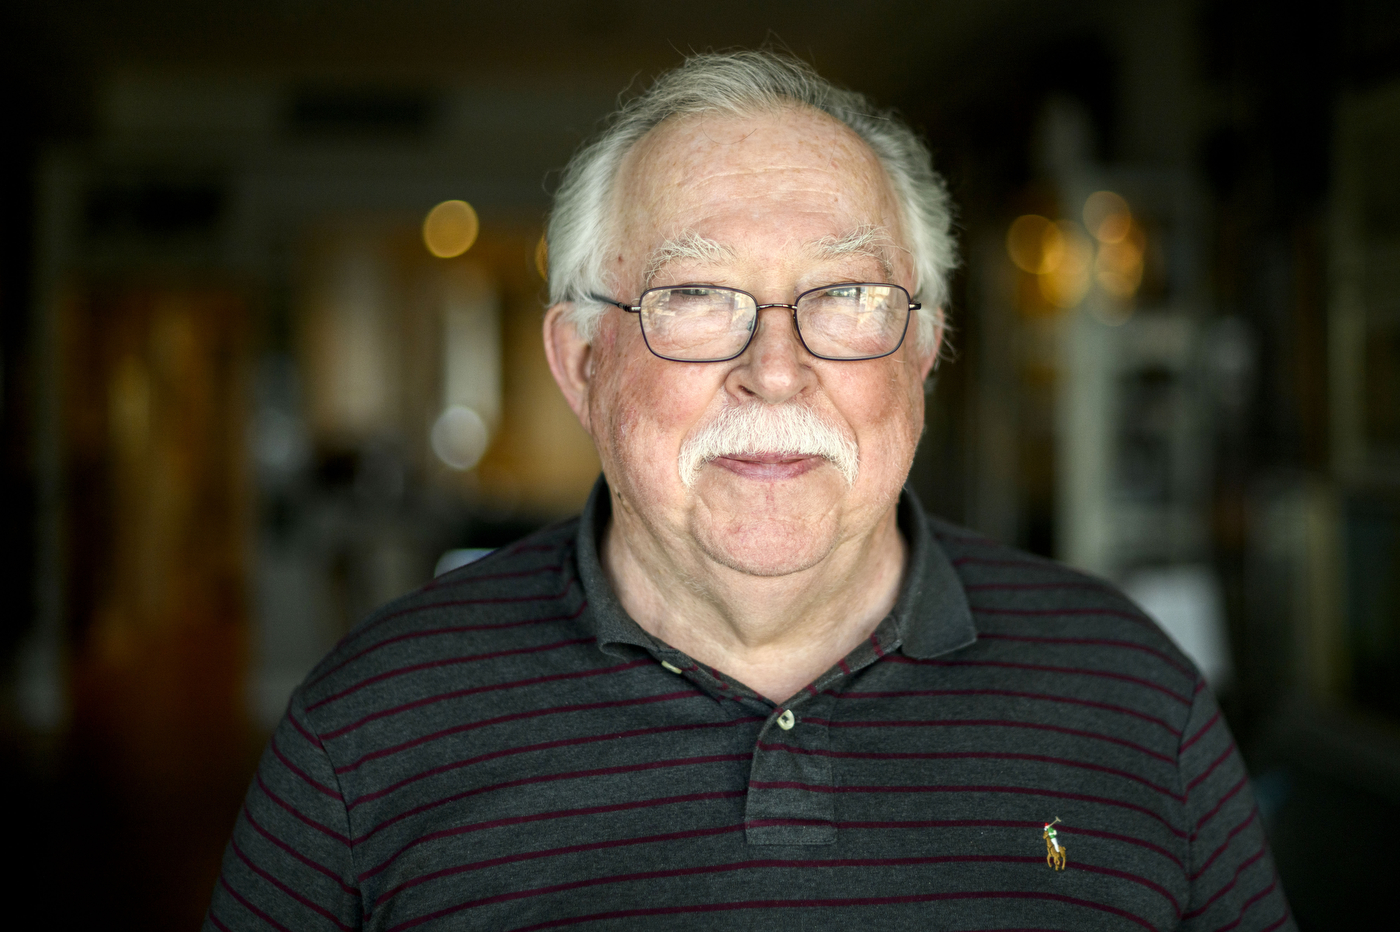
866,240
688,245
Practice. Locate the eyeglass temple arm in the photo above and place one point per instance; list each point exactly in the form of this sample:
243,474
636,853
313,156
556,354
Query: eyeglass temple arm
631,309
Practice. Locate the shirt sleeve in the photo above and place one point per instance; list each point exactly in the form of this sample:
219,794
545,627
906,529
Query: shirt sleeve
1233,882
289,864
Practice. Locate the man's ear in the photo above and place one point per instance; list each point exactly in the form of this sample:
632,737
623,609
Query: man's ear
570,359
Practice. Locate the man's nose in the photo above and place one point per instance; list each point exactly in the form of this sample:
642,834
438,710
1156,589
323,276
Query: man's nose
775,366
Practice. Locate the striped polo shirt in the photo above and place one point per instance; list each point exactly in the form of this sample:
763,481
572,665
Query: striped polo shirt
506,749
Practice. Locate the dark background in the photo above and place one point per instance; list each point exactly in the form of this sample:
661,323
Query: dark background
126,754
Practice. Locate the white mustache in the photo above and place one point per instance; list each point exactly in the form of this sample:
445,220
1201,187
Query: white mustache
755,429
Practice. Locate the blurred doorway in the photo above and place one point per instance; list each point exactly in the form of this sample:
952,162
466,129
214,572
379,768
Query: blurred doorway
156,537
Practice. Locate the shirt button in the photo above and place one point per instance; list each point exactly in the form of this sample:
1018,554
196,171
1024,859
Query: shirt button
786,720
670,666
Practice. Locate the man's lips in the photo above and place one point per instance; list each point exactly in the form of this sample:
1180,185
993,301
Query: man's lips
769,466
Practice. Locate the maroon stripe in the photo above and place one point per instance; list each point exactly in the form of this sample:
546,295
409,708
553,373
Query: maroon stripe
1135,617
1128,839
1006,823
267,791
424,807
844,668
543,746
475,690
512,717
1018,790
735,866
875,642
1043,668
455,603
453,629
834,903
943,823
998,723
1281,919
1229,837
559,852
215,920
446,662
1200,733
1224,755
969,755
1011,694
1247,862
297,854
1132,878
548,816
1101,642
1223,800
308,735
304,901
305,777
250,907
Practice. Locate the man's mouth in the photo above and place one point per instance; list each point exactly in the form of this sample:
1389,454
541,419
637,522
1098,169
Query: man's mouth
768,466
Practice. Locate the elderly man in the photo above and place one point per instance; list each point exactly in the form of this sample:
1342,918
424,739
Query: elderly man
753,685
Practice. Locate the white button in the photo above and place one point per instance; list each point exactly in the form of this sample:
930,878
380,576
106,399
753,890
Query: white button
671,666
786,720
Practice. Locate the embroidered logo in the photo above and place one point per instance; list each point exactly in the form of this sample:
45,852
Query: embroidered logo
1054,851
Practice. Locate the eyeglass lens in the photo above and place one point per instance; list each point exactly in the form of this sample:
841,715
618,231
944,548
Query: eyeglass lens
711,323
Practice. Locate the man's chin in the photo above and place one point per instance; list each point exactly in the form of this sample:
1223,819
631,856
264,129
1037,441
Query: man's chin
766,555
771,520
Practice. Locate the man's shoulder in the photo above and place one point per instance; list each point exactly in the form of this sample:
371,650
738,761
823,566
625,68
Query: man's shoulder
1041,611
516,595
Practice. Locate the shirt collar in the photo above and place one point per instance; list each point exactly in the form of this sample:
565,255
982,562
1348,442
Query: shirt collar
931,613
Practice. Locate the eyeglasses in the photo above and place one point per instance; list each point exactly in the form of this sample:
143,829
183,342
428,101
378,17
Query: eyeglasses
709,323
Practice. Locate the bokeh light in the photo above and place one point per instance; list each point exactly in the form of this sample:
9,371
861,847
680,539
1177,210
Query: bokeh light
460,437
1057,253
542,257
450,229
1107,217
1068,259
1026,242
1119,265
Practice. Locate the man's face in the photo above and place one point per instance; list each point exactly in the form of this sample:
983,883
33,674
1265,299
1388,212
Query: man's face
771,191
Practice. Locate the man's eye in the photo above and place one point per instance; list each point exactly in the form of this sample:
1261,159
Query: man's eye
692,292
852,292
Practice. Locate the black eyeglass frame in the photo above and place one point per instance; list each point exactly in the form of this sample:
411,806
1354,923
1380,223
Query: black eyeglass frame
637,309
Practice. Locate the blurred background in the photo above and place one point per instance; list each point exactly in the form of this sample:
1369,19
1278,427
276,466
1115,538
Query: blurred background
270,298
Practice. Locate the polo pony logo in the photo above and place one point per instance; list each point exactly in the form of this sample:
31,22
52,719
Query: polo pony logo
1054,852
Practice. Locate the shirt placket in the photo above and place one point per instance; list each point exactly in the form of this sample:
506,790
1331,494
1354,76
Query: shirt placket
792,786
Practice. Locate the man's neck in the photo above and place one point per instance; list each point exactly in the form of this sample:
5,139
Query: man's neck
775,634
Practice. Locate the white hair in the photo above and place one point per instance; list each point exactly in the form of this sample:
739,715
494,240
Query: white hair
742,83
757,428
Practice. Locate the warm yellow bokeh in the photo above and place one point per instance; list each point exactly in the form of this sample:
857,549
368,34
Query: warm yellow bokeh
542,257
1026,241
1057,253
1068,259
1119,265
1107,216
450,229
